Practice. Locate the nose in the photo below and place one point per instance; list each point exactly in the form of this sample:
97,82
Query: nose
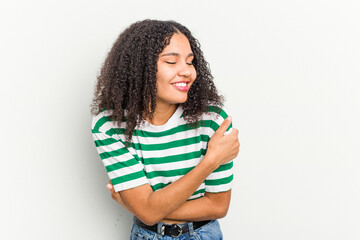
186,70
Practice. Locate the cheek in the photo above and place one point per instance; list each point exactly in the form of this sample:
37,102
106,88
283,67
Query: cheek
193,75
165,75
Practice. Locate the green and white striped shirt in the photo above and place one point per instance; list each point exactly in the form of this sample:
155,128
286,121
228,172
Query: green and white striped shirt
160,155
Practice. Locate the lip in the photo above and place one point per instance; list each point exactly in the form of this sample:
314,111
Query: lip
182,88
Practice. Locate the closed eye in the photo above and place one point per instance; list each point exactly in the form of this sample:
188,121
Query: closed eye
170,62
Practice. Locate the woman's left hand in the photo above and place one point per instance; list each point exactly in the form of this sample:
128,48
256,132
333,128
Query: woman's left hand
116,196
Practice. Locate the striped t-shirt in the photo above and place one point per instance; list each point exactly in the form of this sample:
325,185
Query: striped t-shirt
159,155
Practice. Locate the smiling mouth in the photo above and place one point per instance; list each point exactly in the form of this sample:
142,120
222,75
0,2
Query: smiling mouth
182,86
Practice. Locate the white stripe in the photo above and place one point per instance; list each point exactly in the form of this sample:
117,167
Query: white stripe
109,148
219,188
117,146
197,196
171,166
190,133
130,184
113,124
100,136
164,180
125,171
173,121
112,160
219,175
107,126
174,151
159,153
211,132
98,117
170,138
202,186
219,121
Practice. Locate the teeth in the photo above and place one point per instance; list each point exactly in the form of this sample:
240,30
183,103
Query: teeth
180,84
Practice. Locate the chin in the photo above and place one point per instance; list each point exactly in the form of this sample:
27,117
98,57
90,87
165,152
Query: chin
182,100
173,99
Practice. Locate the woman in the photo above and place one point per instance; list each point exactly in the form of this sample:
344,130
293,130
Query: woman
161,133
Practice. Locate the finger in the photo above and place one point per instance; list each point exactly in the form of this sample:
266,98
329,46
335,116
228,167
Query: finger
110,187
224,126
234,132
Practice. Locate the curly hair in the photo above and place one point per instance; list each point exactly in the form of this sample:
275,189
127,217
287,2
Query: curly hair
127,80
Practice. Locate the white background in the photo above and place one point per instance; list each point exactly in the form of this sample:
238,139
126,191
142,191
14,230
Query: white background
290,71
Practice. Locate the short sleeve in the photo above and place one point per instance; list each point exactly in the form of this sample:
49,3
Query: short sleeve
221,179
124,169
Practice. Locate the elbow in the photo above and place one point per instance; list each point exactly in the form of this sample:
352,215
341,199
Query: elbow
221,212
149,218
149,222
220,203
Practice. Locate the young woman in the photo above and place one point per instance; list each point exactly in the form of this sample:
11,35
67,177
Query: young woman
162,134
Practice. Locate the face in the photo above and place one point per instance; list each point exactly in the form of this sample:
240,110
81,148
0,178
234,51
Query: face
175,73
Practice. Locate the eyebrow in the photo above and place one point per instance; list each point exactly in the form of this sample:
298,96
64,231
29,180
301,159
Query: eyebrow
176,54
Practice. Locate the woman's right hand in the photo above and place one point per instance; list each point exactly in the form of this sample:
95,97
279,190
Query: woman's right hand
223,148
151,207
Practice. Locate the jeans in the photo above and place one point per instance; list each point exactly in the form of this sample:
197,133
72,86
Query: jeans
210,231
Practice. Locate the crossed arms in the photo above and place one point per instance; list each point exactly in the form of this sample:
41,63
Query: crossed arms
170,203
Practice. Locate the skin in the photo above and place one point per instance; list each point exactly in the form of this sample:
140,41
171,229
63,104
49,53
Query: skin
174,65
169,204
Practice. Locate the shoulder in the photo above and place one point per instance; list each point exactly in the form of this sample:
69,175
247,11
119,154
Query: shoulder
216,112
102,122
215,115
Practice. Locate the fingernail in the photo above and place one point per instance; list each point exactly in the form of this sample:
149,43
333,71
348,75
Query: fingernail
108,186
229,118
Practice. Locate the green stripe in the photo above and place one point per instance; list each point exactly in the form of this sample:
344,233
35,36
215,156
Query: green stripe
113,131
105,142
218,110
215,182
182,171
173,144
175,158
214,109
114,153
159,186
99,123
117,152
162,185
180,128
185,127
202,190
128,177
169,173
194,198
119,165
224,167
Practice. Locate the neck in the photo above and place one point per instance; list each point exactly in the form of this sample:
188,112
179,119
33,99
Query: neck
163,113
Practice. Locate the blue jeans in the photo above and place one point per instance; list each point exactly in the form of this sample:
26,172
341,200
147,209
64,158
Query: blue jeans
210,231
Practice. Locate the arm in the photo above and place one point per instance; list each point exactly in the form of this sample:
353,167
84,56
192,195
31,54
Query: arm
151,207
211,206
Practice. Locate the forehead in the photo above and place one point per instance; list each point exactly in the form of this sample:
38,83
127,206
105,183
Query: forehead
178,44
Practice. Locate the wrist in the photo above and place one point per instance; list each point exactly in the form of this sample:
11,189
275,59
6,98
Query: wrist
209,161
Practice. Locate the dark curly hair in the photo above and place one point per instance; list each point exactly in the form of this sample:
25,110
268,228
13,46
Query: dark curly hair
127,80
